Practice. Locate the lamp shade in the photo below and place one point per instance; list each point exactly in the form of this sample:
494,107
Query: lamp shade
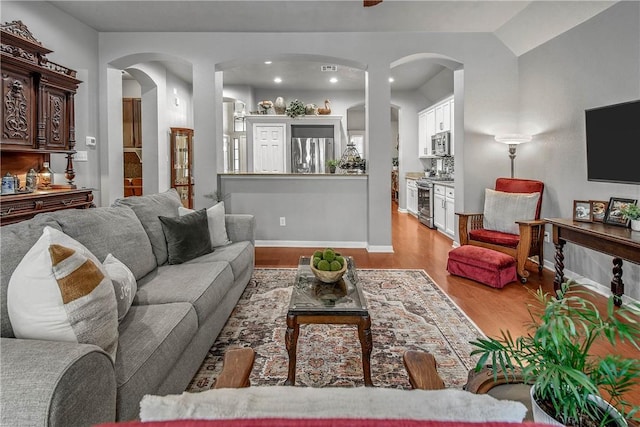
513,138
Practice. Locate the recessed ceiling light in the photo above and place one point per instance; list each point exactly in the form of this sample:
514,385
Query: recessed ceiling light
391,80
277,80
333,80
268,62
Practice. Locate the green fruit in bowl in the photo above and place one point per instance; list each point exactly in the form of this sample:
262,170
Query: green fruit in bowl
329,255
324,265
335,266
316,260
318,254
340,259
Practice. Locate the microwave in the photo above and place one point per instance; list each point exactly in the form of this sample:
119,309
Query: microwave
440,144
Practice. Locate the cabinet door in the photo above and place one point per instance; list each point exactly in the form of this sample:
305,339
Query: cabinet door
422,134
439,110
137,123
54,117
446,116
452,144
450,219
268,148
431,129
18,109
131,123
439,217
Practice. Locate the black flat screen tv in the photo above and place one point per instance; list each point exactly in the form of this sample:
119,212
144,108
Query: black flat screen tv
613,141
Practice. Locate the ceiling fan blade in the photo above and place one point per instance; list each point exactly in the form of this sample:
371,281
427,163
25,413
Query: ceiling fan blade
368,3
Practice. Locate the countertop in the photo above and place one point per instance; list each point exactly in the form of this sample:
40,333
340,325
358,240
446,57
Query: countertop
414,175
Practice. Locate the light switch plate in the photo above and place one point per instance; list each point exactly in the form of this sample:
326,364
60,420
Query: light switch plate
90,141
80,156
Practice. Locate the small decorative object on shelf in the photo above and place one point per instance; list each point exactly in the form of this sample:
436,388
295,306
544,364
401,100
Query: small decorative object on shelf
31,180
332,164
265,107
46,176
8,184
279,106
311,110
295,109
351,161
326,110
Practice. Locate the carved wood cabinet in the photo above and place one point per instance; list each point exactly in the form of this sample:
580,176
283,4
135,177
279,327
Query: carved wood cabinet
182,164
37,116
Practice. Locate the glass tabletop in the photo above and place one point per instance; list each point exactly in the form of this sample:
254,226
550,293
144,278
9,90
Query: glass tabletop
312,296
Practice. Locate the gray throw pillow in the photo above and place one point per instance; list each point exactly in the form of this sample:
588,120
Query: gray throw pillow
187,236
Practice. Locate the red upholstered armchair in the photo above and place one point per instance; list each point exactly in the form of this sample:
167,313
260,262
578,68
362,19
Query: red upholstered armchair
524,242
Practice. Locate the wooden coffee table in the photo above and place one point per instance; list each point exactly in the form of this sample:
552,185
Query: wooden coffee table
340,303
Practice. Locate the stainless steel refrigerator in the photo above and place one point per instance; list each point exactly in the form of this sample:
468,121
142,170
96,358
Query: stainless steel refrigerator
310,155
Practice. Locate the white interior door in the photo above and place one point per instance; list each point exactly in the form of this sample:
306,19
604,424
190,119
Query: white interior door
268,148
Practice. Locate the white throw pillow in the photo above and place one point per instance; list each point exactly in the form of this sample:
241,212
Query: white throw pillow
502,210
217,226
61,292
124,284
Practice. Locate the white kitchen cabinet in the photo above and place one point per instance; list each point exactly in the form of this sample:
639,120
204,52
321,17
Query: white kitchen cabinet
423,146
451,125
438,118
450,216
439,207
444,217
412,197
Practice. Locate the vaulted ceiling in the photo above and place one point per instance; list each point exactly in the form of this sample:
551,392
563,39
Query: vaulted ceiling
520,25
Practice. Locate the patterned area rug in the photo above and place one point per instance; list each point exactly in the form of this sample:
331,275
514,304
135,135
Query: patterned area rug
408,312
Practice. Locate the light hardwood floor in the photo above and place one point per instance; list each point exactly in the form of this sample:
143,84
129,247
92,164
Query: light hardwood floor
416,246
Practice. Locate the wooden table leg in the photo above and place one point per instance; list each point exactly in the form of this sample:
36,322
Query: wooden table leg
366,341
291,341
617,285
559,265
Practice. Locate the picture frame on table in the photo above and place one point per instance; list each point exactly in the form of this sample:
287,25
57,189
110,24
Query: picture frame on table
582,210
598,210
613,216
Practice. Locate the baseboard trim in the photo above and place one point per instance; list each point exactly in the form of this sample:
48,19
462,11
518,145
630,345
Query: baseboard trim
309,244
380,249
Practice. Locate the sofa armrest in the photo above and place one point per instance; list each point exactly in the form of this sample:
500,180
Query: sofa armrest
55,383
240,227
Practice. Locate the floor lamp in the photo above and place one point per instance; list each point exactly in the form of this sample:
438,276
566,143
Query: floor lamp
513,140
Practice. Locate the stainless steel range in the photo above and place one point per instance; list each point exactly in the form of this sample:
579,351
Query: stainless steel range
425,201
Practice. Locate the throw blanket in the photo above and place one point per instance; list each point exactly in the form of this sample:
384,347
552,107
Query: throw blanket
335,402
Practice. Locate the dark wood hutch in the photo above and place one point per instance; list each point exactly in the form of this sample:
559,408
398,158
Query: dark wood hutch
37,121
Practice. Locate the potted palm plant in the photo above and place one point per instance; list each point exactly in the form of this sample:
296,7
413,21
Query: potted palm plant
555,357
631,211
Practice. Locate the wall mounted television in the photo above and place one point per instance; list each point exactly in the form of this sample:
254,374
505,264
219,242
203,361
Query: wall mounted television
613,138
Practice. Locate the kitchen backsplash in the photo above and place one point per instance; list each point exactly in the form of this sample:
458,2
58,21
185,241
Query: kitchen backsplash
443,164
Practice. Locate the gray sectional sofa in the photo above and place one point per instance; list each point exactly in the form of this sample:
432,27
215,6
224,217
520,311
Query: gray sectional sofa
176,315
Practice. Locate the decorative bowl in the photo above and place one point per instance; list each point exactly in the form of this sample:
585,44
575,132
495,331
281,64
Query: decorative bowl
328,276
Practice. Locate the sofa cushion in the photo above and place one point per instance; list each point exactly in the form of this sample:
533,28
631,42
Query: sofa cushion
16,240
187,236
502,210
124,284
152,339
239,254
61,292
114,230
201,284
216,223
148,209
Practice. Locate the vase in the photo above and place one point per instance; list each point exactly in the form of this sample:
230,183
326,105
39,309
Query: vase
541,416
635,224
279,106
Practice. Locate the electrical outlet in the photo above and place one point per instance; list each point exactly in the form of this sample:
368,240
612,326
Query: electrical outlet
547,238
283,221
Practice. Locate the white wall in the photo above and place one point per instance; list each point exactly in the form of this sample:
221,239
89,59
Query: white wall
594,64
